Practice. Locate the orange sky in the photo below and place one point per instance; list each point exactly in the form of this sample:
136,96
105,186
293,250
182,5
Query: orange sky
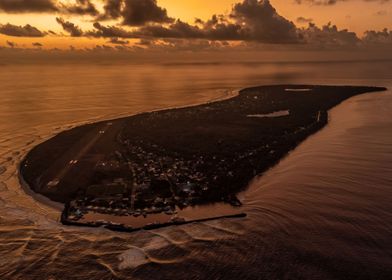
355,15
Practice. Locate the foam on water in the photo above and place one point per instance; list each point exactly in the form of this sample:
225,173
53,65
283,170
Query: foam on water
132,258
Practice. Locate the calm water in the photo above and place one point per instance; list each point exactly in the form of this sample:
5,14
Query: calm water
324,212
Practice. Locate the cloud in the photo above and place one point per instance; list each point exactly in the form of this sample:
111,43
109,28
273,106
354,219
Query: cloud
117,41
27,6
179,29
109,31
70,27
382,13
319,2
134,12
112,10
249,21
383,37
328,35
333,2
140,12
263,23
100,48
303,20
37,44
191,45
80,7
11,44
21,31
131,12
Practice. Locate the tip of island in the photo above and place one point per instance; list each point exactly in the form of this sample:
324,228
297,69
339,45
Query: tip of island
177,166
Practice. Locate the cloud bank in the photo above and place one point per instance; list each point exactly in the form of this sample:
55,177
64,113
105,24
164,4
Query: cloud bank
248,22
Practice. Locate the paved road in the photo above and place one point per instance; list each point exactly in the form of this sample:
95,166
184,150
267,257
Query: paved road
75,167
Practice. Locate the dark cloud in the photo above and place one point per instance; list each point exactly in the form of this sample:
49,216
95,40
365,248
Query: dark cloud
140,12
319,2
382,13
122,48
303,20
27,6
99,48
328,35
191,45
131,12
250,20
183,30
80,7
70,27
21,31
333,2
134,12
11,44
262,23
145,42
37,44
170,44
112,10
383,37
109,31
179,29
117,41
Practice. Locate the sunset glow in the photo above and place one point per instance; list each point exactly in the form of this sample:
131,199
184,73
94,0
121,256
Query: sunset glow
357,16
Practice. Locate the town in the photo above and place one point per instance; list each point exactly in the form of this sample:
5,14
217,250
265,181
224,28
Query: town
140,183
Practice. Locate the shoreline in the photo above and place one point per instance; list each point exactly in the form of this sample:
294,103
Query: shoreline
320,119
36,196
230,93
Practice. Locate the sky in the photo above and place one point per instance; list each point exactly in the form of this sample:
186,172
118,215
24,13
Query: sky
193,24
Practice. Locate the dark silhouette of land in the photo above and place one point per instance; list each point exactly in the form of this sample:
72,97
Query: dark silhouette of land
160,162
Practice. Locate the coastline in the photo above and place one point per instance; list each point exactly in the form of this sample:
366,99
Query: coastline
229,93
36,196
271,164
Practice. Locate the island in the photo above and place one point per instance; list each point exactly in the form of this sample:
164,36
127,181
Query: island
180,165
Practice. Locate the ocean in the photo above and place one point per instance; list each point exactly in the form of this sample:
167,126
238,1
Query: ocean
323,212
